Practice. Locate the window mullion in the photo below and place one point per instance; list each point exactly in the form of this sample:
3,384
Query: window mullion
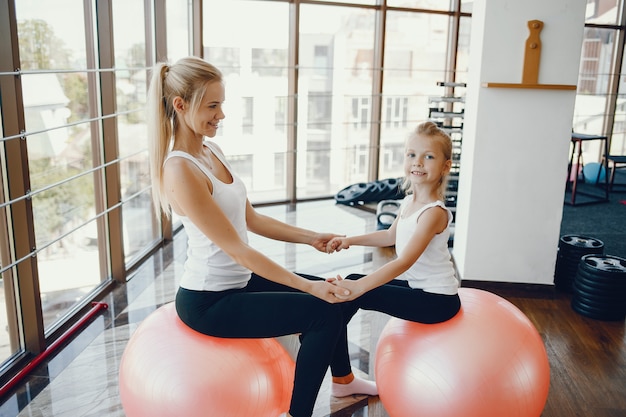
21,212
292,102
377,94
110,148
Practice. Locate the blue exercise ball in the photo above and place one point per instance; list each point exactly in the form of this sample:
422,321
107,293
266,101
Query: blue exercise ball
590,172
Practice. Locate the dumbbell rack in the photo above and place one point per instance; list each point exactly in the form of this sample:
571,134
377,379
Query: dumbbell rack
447,111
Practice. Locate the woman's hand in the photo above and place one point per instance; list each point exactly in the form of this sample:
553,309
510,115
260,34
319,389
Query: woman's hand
320,241
328,292
353,286
337,243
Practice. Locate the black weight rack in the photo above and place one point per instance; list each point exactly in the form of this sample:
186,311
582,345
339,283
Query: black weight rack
447,112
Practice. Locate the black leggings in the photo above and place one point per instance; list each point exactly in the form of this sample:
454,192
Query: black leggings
263,309
266,309
397,299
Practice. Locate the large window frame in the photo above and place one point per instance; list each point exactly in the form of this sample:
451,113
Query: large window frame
29,333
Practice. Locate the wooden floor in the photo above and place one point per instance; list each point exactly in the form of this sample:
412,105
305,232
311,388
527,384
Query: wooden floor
587,359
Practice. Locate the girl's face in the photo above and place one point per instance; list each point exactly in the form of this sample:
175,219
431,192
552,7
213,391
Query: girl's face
206,119
425,162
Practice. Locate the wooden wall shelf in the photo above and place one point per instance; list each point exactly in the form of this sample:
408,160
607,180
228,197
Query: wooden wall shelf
532,57
531,86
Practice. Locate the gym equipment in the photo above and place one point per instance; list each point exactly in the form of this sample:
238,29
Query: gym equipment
487,361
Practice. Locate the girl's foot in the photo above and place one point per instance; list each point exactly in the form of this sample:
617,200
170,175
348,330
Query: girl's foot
356,386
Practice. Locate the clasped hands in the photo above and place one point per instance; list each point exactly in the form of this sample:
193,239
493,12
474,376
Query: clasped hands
336,244
346,284
340,290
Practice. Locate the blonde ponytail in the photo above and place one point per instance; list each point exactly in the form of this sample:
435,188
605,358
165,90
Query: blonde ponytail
160,120
186,79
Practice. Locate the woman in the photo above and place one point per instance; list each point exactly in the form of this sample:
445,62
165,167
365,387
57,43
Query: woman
229,289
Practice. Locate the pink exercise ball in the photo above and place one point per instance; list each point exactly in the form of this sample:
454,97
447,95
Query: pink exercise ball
168,369
487,361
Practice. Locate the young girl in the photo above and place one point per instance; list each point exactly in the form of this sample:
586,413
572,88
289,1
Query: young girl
228,289
420,284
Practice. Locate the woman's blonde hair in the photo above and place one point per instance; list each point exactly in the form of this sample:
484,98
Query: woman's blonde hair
431,130
186,79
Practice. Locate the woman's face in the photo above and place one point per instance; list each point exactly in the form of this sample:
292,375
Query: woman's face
206,120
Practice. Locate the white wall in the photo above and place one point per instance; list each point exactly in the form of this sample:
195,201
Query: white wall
516,142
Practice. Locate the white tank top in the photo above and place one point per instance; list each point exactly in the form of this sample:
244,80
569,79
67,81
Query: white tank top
209,268
433,271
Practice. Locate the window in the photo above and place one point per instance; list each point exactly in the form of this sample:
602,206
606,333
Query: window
56,105
280,114
321,60
400,62
320,111
363,61
396,111
423,38
247,124
593,87
254,64
335,42
279,170
421,4
178,21
225,58
618,137
269,62
139,228
360,112
75,169
590,63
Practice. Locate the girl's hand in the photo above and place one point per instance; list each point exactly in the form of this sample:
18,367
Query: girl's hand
336,244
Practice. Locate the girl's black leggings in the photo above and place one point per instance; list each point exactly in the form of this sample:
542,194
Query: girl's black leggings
397,299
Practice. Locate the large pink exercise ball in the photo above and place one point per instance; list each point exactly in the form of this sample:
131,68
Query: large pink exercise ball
487,361
168,369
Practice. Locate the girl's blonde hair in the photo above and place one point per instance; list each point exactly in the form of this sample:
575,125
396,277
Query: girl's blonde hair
186,79
431,130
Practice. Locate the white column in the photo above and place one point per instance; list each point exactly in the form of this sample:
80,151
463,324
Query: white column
516,142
